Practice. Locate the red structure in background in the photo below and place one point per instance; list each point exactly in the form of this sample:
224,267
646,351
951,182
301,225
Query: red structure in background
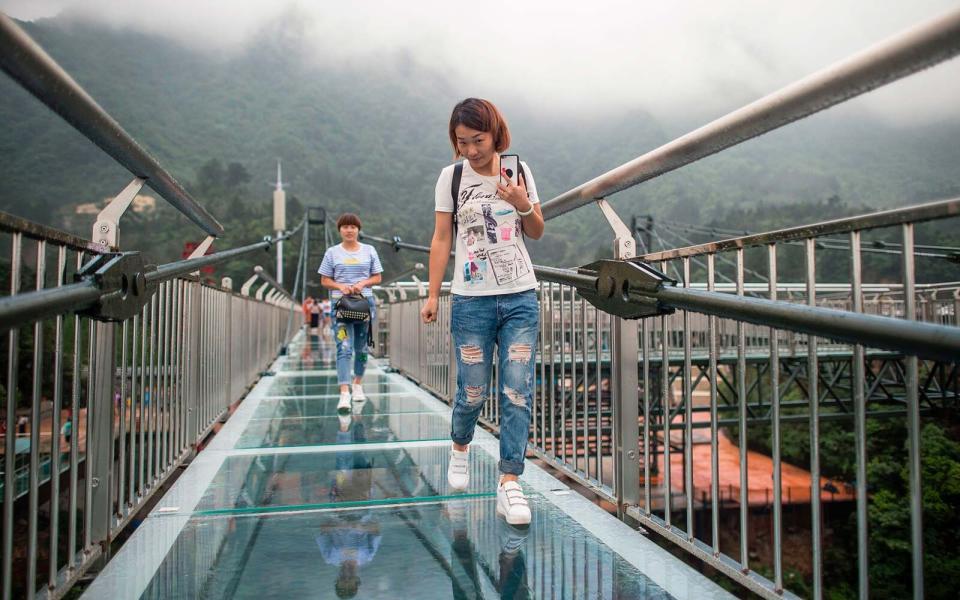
189,247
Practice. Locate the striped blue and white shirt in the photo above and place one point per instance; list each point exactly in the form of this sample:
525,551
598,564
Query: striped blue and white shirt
350,267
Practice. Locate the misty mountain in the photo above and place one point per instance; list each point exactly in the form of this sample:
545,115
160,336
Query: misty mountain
370,136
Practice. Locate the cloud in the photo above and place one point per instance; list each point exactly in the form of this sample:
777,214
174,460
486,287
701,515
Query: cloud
690,59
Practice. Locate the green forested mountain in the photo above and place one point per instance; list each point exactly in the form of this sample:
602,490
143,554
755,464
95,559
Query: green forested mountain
371,137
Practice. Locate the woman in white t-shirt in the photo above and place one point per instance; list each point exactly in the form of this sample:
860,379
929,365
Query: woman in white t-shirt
494,292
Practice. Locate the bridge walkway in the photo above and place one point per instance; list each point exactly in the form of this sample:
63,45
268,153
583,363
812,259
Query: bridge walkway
292,500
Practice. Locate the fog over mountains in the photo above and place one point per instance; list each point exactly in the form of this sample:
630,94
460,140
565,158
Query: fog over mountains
370,134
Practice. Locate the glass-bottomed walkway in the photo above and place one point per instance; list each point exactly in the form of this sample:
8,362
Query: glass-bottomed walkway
292,500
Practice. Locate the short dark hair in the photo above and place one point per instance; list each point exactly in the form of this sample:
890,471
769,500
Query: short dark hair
482,115
348,219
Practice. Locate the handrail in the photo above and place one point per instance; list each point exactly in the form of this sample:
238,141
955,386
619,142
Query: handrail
926,340
182,267
30,66
15,224
910,51
911,214
28,307
397,244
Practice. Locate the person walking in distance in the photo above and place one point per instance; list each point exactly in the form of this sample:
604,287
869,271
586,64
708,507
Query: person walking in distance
486,217
351,268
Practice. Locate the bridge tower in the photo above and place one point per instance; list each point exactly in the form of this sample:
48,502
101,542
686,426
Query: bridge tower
279,218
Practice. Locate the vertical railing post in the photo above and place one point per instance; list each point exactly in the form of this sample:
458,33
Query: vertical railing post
194,307
100,434
914,425
227,285
624,382
452,358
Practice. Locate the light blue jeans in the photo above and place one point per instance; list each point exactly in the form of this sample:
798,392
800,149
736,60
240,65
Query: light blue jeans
511,321
352,347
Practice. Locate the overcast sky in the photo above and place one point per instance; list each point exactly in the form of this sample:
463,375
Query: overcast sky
686,58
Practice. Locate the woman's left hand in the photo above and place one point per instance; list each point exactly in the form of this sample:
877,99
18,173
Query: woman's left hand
515,194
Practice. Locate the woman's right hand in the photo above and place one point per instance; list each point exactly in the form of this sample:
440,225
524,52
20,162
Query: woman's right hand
429,311
345,289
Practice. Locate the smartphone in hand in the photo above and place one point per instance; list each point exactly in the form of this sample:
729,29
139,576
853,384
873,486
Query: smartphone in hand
510,162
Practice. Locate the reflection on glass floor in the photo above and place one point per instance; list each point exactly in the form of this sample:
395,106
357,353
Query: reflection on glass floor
454,549
293,500
285,387
339,477
344,429
283,408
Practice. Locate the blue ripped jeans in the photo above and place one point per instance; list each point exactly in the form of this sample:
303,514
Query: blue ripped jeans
352,347
511,321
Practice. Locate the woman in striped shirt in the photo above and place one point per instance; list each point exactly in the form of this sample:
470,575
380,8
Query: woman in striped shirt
350,268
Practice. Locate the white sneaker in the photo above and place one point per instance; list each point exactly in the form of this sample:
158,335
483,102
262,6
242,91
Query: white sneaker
345,421
512,504
358,395
343,406
358,405
458,471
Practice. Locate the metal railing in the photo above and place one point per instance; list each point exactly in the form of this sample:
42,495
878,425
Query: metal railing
30,66
112,408
577,428
116,370
904,54
617,402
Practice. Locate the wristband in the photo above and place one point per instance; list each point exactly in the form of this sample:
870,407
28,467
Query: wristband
528,212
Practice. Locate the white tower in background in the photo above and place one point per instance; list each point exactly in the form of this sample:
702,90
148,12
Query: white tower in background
279,218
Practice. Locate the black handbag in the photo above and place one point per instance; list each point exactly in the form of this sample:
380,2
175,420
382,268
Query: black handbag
352,309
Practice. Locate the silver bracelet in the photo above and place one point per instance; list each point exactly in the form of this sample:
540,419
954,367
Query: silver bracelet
527,213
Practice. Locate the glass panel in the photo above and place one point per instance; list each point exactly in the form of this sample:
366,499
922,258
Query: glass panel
344,429
307,363
281,481
454,549
326,378
292,386
324,407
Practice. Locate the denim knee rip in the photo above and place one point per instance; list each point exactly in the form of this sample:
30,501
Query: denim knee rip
516,398
471,354
520,353
475,394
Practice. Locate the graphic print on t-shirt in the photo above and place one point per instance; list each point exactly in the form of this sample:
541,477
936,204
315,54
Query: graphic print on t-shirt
484,232
508,264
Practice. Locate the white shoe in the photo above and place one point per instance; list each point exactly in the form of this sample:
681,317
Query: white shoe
343,406
512,504
358,395
345,421
358,405
458,471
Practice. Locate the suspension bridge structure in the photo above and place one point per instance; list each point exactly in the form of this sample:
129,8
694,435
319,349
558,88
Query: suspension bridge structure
183,439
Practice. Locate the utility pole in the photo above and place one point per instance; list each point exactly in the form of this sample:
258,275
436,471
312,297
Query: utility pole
279,219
